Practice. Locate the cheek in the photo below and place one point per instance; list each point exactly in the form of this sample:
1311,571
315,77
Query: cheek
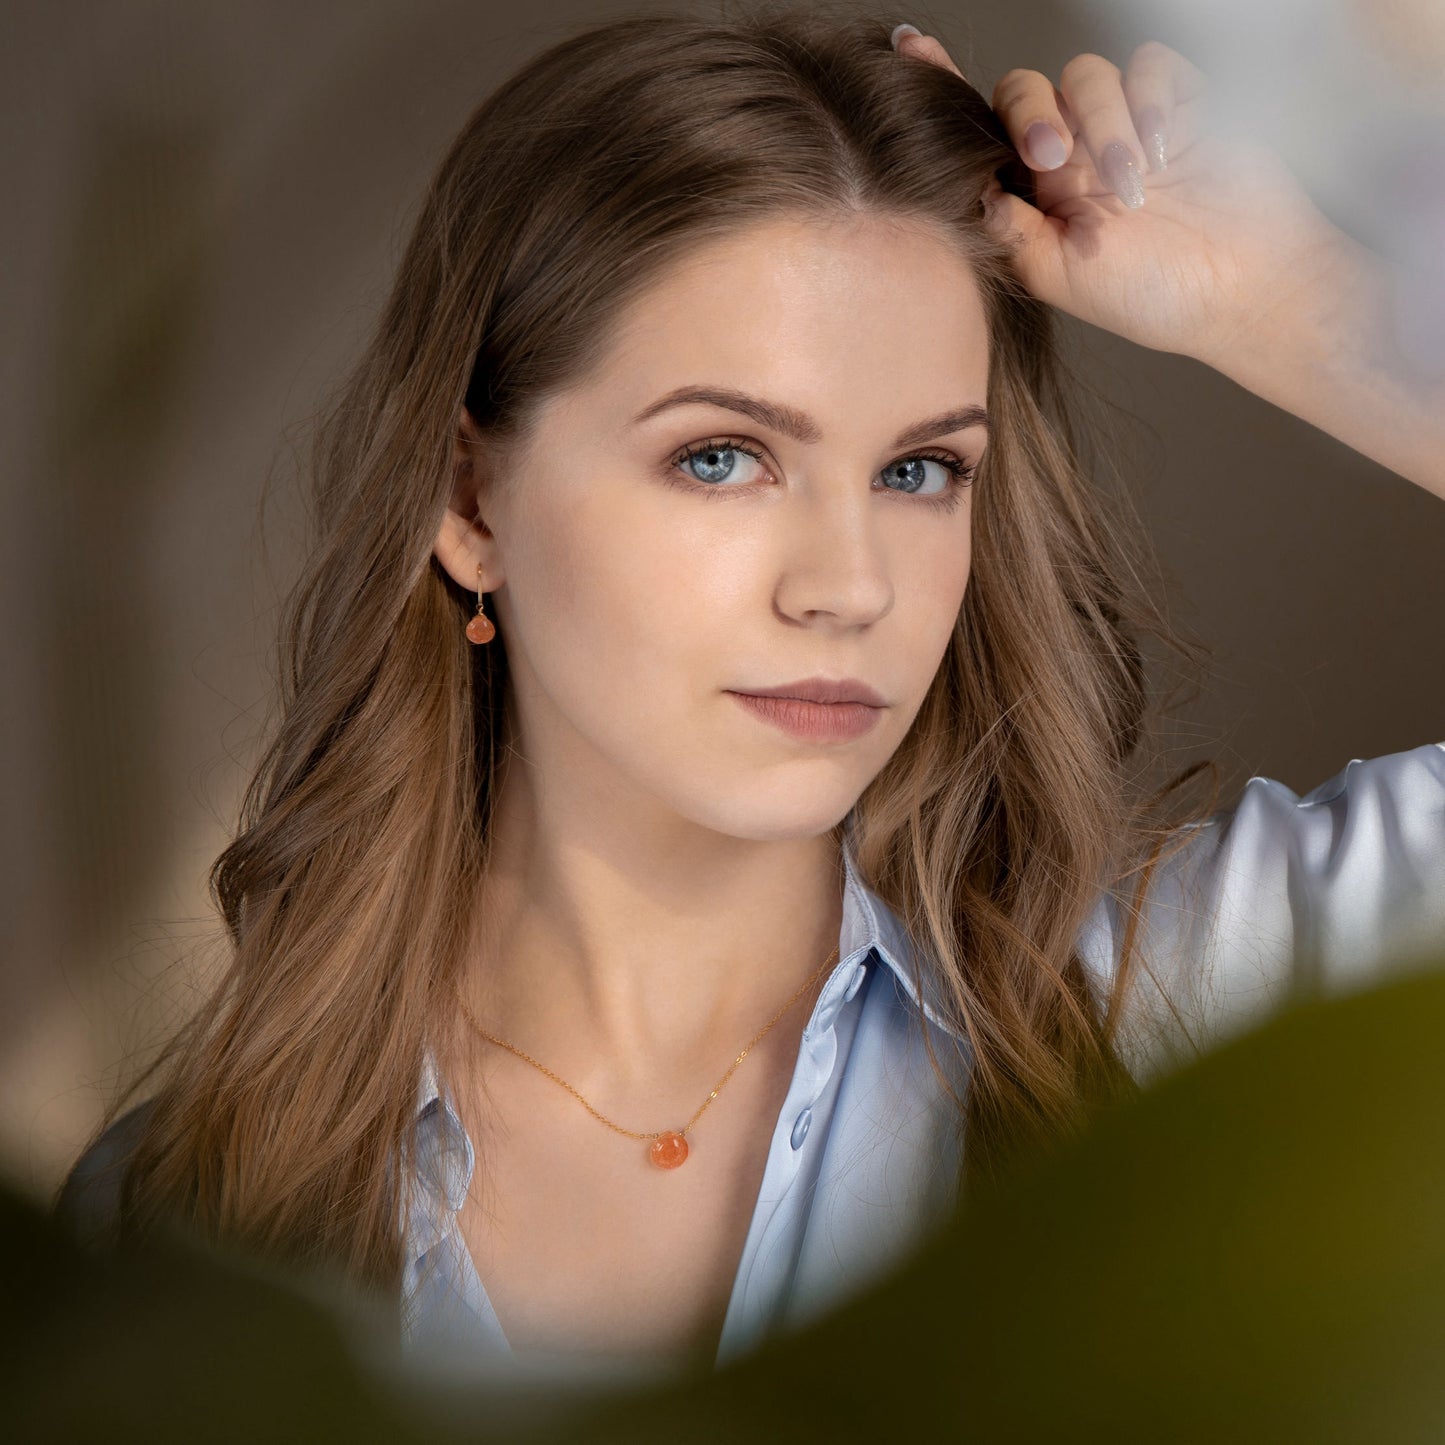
930,596
608,592
939,567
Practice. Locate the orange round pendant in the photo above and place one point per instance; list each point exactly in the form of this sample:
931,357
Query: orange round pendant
668,1150
480,629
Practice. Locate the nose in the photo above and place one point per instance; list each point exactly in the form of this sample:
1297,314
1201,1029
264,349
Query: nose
832,559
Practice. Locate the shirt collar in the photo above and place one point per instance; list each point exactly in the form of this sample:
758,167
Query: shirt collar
869,924
870,928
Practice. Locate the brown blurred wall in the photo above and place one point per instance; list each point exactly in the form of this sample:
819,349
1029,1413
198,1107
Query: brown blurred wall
204,204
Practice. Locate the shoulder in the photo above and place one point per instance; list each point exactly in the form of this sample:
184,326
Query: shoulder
89,1202
1368,837
1360,846
1289,893
1411,783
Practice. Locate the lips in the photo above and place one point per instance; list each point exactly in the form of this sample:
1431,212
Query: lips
821,690
812,722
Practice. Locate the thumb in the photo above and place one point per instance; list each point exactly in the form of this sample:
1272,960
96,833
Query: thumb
1029,234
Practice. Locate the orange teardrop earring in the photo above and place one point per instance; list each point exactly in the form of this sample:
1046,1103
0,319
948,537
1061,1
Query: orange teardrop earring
480,628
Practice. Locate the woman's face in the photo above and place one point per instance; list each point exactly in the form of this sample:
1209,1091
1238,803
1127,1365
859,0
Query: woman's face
816,532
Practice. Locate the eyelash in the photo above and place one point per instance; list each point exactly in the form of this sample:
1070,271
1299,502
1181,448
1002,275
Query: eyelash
961,473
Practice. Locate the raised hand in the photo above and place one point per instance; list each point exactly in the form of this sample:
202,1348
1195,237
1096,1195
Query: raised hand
1147,225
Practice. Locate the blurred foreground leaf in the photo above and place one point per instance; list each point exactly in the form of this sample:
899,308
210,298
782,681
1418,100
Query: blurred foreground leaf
1252,1251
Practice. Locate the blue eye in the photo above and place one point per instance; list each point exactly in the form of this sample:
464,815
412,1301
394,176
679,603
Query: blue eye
711,466
715,462
916,476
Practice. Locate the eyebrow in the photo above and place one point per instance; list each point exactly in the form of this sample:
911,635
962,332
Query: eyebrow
799,425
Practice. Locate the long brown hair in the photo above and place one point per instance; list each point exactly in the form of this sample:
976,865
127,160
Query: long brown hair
285,1113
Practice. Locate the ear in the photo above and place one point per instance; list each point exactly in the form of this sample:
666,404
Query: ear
464,542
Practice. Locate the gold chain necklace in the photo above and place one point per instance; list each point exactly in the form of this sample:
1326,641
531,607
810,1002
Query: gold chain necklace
669,1146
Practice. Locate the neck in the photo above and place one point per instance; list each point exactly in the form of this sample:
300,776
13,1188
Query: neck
614,955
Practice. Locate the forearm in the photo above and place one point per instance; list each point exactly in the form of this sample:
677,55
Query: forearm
1327,352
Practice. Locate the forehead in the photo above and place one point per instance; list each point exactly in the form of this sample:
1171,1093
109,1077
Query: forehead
855,317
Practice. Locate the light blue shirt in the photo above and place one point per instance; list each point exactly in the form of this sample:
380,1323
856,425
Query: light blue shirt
1338,886
861,1165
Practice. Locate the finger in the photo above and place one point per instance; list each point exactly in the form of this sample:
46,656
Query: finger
929,48
1036,117
1093,88
1164,93
1032,239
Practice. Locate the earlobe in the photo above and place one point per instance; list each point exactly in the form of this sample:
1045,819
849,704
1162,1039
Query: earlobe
463,545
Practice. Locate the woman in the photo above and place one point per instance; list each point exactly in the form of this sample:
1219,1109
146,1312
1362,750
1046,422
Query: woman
700,833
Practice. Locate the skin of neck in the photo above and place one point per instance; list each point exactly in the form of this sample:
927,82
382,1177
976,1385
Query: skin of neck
619,944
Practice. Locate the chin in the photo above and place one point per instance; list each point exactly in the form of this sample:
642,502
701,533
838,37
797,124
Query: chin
775,814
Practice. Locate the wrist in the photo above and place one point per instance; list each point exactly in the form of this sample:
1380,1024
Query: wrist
1328,309
1325,347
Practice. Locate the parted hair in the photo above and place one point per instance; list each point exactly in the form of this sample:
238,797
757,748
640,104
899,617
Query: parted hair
283,1112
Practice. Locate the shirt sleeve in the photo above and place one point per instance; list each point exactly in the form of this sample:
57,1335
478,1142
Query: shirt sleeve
89,1202
1283,898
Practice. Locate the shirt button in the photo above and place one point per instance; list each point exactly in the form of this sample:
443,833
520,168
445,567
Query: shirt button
860,972
800,1128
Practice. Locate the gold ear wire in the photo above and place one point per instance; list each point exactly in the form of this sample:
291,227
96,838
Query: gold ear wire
480,628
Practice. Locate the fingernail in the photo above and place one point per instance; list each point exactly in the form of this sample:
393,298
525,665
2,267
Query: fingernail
1151,123
1045,146
1121,171
899,31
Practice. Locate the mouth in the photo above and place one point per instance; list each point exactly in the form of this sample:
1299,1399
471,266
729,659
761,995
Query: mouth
821,690
809,720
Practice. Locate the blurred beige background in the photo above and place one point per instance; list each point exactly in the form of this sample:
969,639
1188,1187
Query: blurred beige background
205,203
